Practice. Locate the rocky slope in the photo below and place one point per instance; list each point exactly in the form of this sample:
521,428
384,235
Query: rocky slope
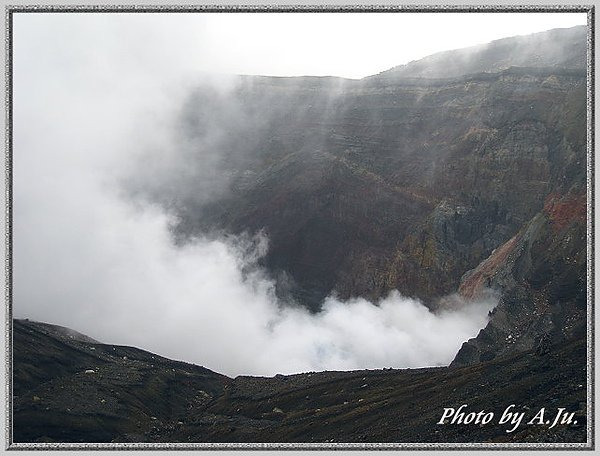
542,273
69,389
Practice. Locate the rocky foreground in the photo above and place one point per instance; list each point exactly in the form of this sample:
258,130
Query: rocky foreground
70,388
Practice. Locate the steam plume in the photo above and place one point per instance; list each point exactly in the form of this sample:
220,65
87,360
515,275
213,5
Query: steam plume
89,257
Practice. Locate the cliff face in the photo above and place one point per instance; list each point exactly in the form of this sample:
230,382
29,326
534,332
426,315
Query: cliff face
542,274
368,186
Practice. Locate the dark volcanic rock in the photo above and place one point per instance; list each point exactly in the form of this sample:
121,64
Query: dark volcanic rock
542,273
135,396
74,390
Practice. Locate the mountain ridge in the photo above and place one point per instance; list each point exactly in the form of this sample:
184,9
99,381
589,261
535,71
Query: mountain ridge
117,394
498,55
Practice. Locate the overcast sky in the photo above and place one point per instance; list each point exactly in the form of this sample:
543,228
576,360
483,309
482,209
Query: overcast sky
351,45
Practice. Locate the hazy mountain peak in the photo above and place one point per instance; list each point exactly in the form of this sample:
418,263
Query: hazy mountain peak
559,48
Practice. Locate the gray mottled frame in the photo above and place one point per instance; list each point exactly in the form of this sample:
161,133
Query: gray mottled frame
8,324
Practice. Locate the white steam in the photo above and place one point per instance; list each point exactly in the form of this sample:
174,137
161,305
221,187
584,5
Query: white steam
87,258
111,271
